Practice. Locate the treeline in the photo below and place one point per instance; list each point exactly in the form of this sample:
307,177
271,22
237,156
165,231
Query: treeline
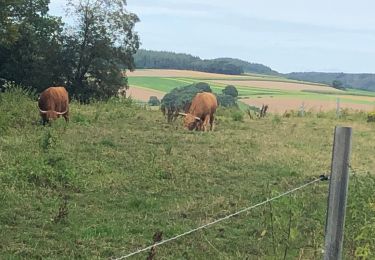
38,50
146,59
348,80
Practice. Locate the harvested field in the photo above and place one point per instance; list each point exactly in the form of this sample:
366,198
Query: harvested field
280,105
181,74
289,86
143,94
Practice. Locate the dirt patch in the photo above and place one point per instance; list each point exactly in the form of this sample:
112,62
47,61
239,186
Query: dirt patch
290,86
280,105
143,94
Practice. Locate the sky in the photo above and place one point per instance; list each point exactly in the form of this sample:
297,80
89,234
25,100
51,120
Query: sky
286,35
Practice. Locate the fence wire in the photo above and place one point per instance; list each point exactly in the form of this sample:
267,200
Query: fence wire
321,178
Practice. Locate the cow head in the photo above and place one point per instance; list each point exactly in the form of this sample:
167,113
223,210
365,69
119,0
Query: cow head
191,122
50,114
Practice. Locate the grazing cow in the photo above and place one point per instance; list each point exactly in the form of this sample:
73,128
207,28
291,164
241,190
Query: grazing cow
201,112
53,103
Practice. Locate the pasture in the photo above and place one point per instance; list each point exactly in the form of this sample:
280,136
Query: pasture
280,93
102,185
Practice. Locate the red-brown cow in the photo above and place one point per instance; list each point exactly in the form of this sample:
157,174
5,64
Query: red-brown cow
53,103
201,112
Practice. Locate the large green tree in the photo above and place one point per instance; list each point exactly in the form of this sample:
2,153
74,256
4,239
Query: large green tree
99,48
30,42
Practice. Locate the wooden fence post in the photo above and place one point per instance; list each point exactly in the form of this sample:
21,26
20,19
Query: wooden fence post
338,187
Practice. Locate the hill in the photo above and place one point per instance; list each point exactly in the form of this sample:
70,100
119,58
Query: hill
102,185
147,59
363,81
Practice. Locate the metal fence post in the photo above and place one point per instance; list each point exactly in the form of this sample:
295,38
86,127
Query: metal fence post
338,187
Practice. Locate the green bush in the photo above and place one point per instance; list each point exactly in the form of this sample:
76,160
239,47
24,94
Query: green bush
226,100
231,91
154,101
237,116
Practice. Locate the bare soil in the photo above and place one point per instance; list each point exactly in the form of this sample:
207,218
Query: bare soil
143,94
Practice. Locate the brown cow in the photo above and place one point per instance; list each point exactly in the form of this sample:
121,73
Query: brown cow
53,103
201,112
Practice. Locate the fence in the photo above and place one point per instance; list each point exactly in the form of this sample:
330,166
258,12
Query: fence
336,206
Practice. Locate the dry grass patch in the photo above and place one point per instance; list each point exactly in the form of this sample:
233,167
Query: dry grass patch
279,105
290,86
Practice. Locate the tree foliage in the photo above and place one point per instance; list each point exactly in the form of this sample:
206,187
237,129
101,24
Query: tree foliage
337,84
101,45
30,43
231,91
226,100
37,50
364,81
169,60
154,101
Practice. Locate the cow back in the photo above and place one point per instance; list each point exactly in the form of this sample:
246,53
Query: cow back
54,99
203,104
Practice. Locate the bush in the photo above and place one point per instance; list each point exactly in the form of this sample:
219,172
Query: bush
226,100
231,91
154,101
203,86
371,117
237,116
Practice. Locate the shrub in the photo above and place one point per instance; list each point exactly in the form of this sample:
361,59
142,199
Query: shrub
226,100
154,101
231,91
237,116
371,117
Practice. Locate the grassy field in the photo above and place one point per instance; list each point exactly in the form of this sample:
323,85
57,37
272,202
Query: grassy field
261,87
102,185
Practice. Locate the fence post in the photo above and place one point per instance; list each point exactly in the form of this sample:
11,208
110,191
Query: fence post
338,107
338,188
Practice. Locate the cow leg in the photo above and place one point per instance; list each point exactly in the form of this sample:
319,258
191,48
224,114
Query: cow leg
205,123
66,116
212,122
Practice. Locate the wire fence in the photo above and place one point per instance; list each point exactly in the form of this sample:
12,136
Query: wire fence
321,178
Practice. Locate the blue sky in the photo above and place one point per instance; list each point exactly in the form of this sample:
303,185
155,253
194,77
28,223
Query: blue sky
287,35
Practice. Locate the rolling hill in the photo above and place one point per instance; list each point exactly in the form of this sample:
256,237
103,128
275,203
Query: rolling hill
148,59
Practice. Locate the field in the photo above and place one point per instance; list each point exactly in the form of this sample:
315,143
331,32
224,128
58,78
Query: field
279,93
103,184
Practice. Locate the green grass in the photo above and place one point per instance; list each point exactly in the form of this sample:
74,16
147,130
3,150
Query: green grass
102,185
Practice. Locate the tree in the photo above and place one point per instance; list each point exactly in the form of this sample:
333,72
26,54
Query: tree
337,84
154,101
231,91
100,47
30,43
226,100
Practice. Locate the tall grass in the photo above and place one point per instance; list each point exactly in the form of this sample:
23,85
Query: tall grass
102,185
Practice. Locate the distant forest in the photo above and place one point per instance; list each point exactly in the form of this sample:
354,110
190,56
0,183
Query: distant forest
364,81
147,59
